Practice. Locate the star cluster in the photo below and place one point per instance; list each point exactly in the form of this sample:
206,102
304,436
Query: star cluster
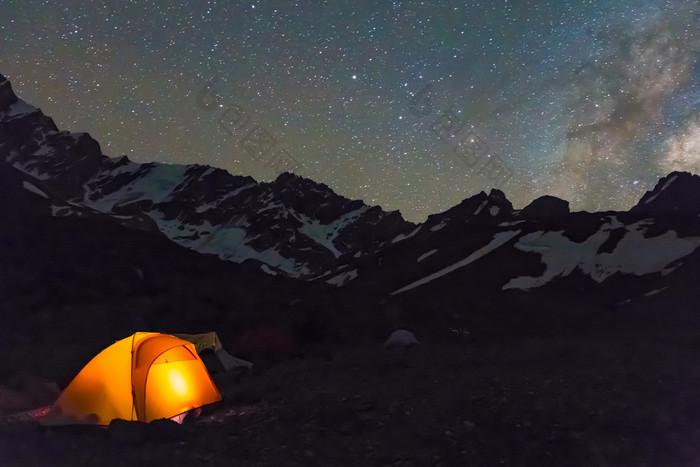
588,100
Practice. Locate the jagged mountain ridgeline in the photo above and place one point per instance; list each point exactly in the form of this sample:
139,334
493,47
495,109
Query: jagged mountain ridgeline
291,226
479,253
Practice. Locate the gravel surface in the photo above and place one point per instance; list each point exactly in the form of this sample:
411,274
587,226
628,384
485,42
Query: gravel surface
598,402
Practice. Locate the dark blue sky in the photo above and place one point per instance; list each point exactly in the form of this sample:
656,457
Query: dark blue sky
410,105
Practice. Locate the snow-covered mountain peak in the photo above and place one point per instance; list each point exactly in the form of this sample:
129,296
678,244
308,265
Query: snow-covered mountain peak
291,225
294,226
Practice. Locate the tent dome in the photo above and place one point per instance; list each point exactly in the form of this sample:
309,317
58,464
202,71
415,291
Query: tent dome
143,377
401,338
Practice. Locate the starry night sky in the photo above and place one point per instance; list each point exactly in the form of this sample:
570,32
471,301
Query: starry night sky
409,105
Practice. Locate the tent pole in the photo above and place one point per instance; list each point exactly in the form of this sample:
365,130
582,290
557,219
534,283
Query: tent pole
133,392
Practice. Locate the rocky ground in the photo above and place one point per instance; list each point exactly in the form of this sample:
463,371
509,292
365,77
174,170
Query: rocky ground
614,400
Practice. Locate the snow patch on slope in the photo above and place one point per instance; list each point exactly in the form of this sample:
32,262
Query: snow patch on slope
342,279
31,171
439,226
156,184
665,185
510,223
499,239
425,255
481,206
634,254
227,241
204,207
324,234
19,108
401,237
654,292
33,189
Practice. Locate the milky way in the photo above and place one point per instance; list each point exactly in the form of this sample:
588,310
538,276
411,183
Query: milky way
409,105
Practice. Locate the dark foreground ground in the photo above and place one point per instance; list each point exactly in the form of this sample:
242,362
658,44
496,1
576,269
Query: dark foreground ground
599,402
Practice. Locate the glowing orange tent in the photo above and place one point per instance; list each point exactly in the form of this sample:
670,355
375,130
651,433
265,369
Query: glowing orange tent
144,377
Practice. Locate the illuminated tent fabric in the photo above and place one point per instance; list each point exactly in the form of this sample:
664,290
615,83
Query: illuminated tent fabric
144,377
210,341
